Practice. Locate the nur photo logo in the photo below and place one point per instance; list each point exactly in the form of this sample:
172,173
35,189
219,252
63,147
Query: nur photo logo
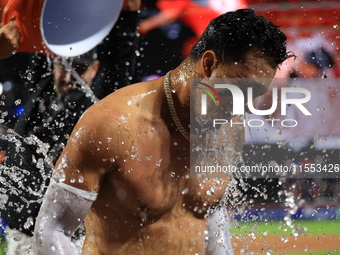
281,99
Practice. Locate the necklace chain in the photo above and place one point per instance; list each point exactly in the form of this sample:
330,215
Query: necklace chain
172,109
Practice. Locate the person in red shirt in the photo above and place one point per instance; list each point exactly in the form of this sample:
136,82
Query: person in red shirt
193,15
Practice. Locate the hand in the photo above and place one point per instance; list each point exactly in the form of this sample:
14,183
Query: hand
9,39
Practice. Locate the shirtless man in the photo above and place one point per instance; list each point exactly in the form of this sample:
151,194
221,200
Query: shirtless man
125,169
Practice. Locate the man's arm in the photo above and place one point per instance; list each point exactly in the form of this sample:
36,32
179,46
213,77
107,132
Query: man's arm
64,208
77,178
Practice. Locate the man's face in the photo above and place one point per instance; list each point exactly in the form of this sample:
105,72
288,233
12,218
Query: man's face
255,67
254,71
64,82
258,72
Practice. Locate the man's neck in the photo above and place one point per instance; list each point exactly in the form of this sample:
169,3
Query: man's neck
179,82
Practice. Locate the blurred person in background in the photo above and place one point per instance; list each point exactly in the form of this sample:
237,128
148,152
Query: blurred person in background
194,15
170,28
50,114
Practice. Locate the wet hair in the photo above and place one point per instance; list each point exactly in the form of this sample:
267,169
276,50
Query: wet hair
233,34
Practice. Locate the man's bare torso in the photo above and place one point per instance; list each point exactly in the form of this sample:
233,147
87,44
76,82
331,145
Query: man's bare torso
147,204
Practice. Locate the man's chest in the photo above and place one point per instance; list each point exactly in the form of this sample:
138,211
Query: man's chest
153,178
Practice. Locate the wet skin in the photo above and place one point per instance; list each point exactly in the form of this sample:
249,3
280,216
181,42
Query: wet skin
127,149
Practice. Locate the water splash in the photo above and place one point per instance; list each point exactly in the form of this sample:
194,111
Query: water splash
11,175
139,97
17,174
292,204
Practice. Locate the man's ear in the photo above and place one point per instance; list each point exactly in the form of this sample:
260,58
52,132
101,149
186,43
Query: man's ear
209,63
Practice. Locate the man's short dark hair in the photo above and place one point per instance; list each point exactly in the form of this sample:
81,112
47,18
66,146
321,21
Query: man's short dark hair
233,34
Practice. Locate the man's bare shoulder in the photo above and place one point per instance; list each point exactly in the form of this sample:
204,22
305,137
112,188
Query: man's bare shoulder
135,92
134,98
125,104
117,118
